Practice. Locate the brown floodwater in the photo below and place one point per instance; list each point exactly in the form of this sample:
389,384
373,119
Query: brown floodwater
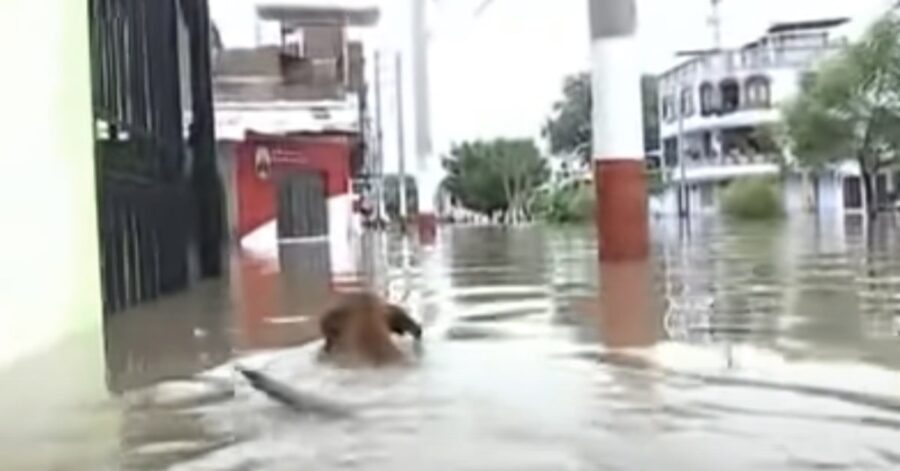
737,346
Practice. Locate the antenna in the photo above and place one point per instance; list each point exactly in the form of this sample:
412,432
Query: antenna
482,7
715,21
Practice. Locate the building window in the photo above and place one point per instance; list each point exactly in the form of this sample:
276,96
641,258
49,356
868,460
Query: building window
758,92
294,43
668,108
670,152
731,95
687,103
708,99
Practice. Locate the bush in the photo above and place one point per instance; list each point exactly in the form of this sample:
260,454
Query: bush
576,202
753,198
572,203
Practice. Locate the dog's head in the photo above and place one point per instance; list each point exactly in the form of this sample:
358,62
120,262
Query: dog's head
358,329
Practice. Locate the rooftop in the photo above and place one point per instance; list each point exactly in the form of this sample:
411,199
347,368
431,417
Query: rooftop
823,23
321,12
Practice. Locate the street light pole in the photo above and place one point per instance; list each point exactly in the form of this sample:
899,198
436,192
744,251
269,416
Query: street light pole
379,137
684,195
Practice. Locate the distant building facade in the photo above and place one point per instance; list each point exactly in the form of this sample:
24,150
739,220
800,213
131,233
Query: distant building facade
719,104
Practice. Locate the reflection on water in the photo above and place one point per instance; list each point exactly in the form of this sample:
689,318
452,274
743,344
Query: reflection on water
738,346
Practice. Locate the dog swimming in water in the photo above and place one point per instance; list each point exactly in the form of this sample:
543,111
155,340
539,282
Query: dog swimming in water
358,331
359,328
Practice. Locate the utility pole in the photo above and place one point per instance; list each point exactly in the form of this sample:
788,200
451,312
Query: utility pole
426,174
401,141
379,138
715,20
684,205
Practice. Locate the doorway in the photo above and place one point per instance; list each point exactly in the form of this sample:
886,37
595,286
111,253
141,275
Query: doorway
302,207
853,193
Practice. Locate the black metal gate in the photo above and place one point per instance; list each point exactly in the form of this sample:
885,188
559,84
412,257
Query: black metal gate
159,196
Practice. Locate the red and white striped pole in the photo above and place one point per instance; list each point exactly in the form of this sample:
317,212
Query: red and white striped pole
618,131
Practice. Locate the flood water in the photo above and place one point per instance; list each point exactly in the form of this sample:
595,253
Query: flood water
737,346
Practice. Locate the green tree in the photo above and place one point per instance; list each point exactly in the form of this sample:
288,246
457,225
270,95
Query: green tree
568,129
850,107
497,176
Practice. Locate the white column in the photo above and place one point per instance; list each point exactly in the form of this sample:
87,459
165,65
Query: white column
340,233
427,170
615,72
617,125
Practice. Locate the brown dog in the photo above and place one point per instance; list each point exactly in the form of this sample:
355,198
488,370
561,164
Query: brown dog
357,330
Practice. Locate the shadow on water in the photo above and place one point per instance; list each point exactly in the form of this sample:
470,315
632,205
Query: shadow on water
737,346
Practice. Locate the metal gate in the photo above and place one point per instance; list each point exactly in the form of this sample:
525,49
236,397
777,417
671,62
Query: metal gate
302,206
159,196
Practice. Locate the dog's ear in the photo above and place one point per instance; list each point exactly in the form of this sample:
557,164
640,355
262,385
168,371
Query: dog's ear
401,323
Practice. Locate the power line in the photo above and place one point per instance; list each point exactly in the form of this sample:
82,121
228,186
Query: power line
482,7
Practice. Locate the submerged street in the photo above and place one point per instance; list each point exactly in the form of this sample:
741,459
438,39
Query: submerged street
759,346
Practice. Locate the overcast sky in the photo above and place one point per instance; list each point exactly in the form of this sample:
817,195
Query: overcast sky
498,75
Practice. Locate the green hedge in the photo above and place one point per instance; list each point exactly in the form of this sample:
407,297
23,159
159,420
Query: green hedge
753,198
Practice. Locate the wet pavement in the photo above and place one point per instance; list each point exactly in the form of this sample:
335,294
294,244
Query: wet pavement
738,346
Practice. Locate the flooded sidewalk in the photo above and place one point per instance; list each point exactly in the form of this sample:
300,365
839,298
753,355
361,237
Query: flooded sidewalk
738,346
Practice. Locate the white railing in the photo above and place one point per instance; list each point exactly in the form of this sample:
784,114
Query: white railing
731,159
730,61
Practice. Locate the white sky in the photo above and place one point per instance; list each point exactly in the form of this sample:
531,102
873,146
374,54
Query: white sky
498,75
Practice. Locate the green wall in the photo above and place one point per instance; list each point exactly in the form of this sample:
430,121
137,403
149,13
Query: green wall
49,271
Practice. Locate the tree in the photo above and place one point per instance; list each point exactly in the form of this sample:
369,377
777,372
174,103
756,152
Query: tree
850,107
569,127
495,176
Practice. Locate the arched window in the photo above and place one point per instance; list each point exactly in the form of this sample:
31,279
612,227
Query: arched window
758,92
687,102
709,103
731,95
668,108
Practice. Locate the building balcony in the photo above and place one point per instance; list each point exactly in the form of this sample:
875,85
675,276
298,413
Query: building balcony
741,118
707,169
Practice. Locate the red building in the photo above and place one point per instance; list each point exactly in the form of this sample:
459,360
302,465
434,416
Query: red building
290,121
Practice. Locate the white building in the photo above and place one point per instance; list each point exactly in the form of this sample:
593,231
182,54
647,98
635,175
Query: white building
720,102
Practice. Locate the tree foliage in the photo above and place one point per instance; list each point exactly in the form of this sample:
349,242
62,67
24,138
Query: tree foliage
569,127
497,176
850,107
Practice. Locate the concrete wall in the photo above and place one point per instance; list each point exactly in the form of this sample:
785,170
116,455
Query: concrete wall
52,362
226,164
49,275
